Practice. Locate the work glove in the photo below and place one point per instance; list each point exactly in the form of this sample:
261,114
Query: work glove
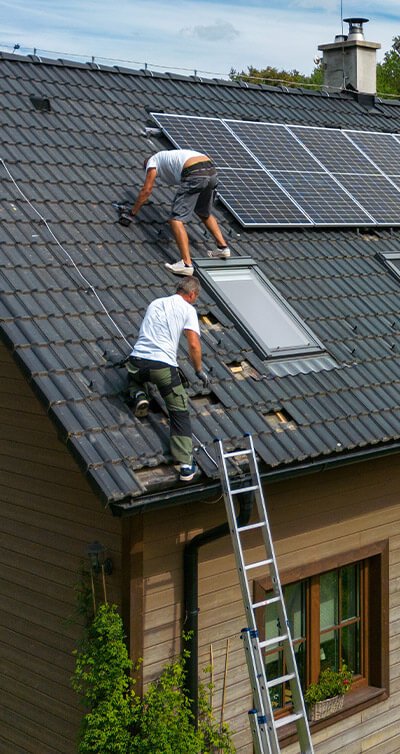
201,375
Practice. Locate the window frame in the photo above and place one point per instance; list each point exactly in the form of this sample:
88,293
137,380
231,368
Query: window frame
372,685
204,266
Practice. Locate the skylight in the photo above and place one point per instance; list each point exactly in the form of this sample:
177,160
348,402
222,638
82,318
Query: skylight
259,311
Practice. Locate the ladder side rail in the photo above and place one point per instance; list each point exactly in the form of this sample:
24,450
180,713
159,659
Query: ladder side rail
265,719
284,625
237,547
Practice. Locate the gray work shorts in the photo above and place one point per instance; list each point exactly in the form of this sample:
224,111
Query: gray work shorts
196,192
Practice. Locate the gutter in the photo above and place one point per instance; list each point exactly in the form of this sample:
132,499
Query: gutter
178,496
190,598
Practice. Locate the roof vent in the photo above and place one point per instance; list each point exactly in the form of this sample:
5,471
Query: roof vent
41,104
356,28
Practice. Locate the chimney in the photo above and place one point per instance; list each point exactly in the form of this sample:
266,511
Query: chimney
350,62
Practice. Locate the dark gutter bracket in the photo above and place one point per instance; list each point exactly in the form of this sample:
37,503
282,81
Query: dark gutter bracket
190,586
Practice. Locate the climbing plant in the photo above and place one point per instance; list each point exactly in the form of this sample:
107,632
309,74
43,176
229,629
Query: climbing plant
116,719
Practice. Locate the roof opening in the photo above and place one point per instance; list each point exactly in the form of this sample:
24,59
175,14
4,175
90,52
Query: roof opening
41,104
279,420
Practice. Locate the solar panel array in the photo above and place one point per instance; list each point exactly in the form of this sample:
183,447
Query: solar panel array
276,175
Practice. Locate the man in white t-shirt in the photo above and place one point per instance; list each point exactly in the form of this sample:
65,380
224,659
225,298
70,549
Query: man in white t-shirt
196,177
154,359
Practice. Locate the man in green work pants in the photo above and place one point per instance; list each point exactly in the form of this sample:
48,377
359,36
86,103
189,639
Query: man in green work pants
154,359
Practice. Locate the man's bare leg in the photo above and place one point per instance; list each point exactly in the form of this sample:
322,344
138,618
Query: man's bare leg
182,240
212,225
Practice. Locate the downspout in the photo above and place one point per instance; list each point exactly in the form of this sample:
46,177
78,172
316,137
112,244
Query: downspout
190,586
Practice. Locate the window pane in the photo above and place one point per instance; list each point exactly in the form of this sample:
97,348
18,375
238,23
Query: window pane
272,325
271,618
294,601
329,651
350,592
329,604
274,669
351,647
300,652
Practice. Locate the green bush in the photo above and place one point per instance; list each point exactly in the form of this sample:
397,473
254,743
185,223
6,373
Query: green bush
118,721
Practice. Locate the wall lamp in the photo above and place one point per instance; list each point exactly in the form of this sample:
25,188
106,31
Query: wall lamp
97,559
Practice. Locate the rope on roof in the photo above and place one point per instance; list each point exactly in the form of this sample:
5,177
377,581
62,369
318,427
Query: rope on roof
67,254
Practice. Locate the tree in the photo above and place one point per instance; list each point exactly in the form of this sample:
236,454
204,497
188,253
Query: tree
388,72
273,77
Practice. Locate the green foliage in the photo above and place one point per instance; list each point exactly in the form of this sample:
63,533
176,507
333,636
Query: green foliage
273,77
388,72
163,721
118,721
331,683
101,679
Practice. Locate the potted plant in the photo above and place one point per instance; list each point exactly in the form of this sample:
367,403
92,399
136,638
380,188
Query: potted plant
327,696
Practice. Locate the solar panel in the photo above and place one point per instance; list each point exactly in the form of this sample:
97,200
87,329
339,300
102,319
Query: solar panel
377,195
331,147
272,174
322,198
382,149
255,199
273,145
207,135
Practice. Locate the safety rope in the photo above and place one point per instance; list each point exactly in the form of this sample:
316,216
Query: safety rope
67,254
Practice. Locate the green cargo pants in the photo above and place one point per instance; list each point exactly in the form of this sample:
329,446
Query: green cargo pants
168,381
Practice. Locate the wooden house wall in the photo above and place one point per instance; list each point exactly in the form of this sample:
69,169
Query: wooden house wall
48,517
312,517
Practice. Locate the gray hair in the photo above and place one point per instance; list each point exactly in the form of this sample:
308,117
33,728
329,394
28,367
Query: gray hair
189,284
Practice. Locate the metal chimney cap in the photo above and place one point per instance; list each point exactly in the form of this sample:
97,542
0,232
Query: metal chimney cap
355,27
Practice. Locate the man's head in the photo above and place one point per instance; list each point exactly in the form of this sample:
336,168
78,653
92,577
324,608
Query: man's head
189,288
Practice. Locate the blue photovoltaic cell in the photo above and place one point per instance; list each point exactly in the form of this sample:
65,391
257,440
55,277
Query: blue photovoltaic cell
255,198
207,135
382,149
331,147
323,200
274,146
378,196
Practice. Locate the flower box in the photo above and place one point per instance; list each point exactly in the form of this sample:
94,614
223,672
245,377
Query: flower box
326,707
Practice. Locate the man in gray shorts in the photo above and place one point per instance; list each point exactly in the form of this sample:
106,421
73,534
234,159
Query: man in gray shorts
196,177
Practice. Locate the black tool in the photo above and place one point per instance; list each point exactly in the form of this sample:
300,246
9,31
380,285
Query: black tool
124,215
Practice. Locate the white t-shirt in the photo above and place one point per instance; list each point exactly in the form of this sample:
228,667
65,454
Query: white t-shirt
169,164
162,326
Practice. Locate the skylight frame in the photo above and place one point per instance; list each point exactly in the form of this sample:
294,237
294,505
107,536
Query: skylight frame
262,349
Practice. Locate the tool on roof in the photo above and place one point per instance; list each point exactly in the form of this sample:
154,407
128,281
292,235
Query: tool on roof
124,214
263,725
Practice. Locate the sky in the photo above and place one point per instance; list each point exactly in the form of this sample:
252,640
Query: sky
207,36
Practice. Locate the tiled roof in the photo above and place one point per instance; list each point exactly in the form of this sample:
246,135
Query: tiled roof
75,287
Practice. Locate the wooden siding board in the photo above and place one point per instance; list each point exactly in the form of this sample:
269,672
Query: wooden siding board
49,515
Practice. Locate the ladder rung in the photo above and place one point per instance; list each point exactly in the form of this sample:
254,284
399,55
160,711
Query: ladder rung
245,489
288,719
260,563
234,453
265,603
281,680
271,642
248,527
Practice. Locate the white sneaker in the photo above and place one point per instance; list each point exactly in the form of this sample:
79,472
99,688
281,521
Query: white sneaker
221,252
179,268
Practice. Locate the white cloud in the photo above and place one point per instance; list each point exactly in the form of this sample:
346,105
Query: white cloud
219,30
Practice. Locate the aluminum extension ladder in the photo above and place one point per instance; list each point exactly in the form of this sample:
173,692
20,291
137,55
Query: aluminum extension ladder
263,725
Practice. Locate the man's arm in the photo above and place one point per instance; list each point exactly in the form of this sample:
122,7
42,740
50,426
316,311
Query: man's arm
195,355
145,192
194,349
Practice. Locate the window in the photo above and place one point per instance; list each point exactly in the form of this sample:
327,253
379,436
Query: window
392,260
259,311
337,612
